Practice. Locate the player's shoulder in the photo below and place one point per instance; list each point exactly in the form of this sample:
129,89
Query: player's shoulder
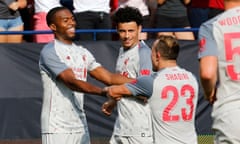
80,47
190,74
144,45
232,11
144,48
179,69
229,18
47,48
184,70
209,23
146,80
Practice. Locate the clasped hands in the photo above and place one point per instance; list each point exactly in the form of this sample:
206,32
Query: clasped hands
109,105
111,94
114,94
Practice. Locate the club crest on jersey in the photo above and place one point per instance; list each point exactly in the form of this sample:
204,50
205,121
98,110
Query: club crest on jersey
126,61
68,57
202,44
84,58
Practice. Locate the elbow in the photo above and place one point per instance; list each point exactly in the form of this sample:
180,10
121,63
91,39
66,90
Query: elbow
208,68
71,86
70,83
205,75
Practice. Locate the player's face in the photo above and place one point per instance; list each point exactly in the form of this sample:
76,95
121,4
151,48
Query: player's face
64,26
128,34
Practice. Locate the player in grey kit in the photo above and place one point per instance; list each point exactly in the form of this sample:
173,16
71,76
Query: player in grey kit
64,67
134,60
172,95
220,71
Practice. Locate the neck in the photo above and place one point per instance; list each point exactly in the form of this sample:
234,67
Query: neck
127,48
167,63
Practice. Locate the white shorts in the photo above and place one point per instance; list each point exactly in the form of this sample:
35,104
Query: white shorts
75,138
115,139
226,127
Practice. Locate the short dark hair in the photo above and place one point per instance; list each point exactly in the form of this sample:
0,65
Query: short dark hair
168,47
51,14
127,14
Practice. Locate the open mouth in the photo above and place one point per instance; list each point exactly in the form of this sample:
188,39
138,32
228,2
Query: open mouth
72,30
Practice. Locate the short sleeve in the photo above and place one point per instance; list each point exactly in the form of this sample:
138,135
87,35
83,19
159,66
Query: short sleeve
50,62
143,86
145,60
207,43
92,63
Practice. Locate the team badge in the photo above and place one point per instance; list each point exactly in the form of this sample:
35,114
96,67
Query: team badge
202,44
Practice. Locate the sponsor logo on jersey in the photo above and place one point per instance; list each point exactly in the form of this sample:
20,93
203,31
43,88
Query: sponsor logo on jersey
145,72
126,61
84,58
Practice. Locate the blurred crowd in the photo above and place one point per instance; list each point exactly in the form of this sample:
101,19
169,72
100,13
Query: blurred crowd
31,15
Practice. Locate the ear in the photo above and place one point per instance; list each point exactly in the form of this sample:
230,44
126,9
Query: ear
158,55
53,27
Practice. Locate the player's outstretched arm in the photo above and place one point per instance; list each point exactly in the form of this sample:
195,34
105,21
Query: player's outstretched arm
109,78
118,91
68,78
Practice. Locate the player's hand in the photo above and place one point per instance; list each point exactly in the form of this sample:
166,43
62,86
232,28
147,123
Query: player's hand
108,106
212,98
143,98
112,94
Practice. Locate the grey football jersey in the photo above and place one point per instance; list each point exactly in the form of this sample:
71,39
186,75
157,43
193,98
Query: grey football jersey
221,37
172,96
134,117
62,110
